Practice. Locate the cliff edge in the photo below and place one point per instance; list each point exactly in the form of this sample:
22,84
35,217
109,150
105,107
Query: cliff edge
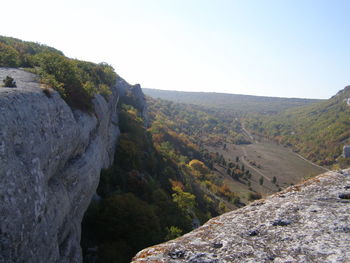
304,223
50,161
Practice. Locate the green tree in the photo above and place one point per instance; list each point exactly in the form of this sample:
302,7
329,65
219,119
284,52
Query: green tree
173,232
184,200
274,180
9,57
126,217
9,82
261,180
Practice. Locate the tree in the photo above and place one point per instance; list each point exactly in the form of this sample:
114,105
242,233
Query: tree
184,200
199,166
274,180
9,82
261,180
126,217
9,57
173,232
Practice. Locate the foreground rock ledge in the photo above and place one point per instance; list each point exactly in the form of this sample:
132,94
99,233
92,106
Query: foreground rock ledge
305,223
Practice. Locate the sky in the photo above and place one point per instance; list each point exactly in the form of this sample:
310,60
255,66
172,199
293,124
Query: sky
284,48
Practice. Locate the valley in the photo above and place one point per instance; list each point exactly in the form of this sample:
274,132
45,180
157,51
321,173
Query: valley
267,160
159,164
265,165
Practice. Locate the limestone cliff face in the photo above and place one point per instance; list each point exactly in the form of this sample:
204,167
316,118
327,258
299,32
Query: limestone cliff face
50,161
305,223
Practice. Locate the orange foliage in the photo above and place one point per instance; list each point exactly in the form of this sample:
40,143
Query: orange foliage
176,184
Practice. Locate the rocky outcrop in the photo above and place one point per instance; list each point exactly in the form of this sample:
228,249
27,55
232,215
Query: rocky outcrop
134,96
50,161
304,223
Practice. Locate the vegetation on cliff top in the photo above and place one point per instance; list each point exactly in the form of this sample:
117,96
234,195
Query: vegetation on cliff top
76,81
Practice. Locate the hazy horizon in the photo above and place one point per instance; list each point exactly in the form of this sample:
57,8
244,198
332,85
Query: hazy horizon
293,49
241,94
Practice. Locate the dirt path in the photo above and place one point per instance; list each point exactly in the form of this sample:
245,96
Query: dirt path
250,136
314,164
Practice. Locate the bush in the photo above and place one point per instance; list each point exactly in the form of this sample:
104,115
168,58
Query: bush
254,196
9,82
173,232
9,57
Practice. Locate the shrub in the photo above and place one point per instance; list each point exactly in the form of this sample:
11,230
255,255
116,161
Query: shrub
9,82
173,232
9,57
254,196
105,91
261,180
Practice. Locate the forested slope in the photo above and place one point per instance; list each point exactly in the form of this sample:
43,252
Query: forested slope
318,131
162,183
240,104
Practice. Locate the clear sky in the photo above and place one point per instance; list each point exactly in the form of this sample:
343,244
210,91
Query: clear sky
287,48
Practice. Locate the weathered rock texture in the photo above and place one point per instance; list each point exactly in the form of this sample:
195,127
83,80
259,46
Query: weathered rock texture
305,223
50,161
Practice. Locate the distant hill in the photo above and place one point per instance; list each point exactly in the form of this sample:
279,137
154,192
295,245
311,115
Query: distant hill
234,102
318,131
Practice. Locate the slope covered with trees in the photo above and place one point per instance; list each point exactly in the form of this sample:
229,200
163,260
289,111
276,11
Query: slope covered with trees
161,185
240,104
318,131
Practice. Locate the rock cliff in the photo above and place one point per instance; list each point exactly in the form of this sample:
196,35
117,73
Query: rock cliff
50,161
305,223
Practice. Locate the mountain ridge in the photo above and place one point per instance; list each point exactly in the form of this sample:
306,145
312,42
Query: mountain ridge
235,102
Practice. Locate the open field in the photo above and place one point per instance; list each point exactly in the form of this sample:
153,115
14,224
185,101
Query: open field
265,159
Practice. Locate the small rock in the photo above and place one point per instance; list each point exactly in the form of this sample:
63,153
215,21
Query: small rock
344,196
203,258
217,245
177,254
254,233
281,222
271,257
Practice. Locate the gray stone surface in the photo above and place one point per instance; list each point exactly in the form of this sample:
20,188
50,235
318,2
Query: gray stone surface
305,223
346,151
50,161
135,90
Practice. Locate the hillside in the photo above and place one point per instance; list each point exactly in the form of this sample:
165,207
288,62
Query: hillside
318,131
233,102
